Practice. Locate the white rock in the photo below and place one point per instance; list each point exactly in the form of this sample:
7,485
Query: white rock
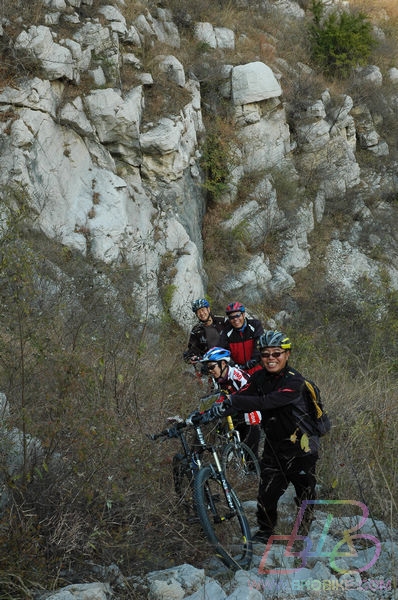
56,60
129,58
163,138
94,36
225,38
98,76
263,141
316,110
32,93
55,4
313,135
143,26
393,75
204,32
4,407
114,118
133,36
370,74
73,115
83,591
111,13
172,67
20,134
253,82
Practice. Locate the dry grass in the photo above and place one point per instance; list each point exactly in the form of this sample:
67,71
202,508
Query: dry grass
378,10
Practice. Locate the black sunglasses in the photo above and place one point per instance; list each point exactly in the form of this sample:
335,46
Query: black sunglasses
273,354
233,317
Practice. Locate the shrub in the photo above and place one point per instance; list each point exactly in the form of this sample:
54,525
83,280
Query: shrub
216,159
339,42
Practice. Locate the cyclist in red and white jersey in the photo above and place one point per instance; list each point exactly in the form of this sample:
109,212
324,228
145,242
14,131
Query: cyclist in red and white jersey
231,379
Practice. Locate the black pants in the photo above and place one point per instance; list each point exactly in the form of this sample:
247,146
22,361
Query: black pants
278,469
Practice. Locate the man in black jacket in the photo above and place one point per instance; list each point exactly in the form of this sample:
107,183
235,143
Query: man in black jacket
205,334
289,454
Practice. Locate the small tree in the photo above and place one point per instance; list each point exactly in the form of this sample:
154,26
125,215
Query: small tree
217,157
341,41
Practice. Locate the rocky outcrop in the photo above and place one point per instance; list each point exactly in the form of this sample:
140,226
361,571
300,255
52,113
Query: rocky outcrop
104,181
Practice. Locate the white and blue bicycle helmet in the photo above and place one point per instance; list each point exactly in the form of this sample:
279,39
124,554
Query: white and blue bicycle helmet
216,354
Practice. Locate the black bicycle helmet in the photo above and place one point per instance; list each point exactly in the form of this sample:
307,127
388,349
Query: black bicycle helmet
200,303
234,307
270,339
216,354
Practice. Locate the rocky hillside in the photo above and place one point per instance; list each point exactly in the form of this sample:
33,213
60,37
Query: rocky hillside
106,110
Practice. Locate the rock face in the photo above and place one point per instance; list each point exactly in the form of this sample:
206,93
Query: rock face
103,181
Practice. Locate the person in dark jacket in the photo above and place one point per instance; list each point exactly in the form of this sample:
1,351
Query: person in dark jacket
240,336
289,455
205,334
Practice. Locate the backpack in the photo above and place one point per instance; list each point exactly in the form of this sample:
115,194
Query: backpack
316,420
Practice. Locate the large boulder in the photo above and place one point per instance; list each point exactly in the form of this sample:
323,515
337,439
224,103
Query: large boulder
253,82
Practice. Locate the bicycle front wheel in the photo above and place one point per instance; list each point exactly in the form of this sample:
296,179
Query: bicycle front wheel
226,528
242,469
183,485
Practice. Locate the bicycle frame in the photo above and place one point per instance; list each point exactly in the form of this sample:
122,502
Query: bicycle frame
233,434
194,457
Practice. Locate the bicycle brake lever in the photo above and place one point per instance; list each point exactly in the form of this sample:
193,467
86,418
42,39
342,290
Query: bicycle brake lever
175,419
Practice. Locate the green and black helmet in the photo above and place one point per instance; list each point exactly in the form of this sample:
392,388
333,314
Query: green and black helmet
270,339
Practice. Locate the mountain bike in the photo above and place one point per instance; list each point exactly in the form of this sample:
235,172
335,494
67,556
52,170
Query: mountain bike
238,460
203,488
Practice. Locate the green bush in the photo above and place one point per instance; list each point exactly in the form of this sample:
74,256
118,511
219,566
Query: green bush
217,158
339,42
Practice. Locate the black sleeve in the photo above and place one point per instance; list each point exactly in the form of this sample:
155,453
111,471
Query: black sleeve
224,342
251,397
258,328
194,347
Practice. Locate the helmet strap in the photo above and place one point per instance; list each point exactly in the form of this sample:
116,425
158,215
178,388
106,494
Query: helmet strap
209,318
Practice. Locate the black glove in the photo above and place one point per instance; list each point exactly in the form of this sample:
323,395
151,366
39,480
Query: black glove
219,408
251,363
195,417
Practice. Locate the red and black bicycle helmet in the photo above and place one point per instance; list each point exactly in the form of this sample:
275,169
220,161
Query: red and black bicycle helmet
234,307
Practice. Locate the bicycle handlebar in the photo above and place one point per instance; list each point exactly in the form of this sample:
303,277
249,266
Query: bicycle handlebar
195,419
170,431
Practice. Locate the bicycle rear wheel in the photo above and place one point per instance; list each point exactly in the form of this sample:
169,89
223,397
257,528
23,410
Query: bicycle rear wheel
227,529
242,469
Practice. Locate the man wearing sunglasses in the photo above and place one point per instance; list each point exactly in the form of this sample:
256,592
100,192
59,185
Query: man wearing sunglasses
289,455
240,335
